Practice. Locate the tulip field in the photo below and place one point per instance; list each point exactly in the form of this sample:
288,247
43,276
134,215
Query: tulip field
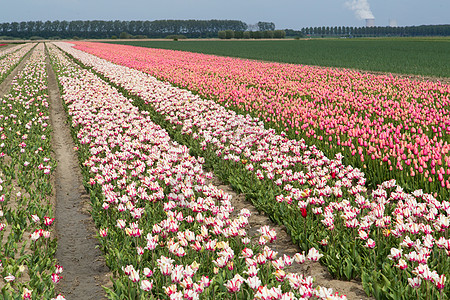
355,166
390,233
391,128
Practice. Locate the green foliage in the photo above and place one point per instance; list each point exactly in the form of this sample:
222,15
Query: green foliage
221,34
225,34
36,38
266,26
6,37
268,34
238,34
124,35
104,29
229,34
279,34
256,34
176,37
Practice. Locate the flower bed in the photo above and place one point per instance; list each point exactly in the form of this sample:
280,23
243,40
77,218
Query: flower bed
165,231
27,265
373,236
11,57
5,51
390,127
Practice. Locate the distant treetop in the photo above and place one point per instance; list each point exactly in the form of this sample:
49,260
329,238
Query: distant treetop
108,29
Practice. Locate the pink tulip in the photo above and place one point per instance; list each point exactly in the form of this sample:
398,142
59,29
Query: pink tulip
26,293
56,278
313,255
58,269
234,285
9,278
48,221
440,283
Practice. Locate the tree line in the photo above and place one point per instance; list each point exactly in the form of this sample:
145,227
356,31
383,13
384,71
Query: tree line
376,31
266,34
110,29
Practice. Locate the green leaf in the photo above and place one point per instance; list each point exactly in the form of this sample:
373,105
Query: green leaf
348,269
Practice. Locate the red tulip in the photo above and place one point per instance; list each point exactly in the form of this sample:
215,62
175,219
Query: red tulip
303,212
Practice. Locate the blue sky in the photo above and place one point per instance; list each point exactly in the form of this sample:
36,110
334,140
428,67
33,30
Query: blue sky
293,14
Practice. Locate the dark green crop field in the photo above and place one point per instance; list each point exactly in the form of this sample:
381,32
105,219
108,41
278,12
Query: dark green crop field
418,56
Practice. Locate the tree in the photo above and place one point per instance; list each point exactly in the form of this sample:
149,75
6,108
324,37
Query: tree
255,34
222,35
125,35
14,28
266,26
279,34
238,34
316,30
23,29
229,34
104,29
268,34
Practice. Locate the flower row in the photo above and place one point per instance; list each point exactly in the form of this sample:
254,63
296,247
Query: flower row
27,265
11,49
302,182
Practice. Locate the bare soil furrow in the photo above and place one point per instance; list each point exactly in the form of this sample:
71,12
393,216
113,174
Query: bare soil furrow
85,271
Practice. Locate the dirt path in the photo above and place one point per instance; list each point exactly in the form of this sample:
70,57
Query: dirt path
84,269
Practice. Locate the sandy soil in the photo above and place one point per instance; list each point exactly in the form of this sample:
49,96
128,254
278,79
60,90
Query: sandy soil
85,271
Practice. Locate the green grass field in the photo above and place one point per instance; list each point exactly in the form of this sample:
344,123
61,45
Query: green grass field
418,56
